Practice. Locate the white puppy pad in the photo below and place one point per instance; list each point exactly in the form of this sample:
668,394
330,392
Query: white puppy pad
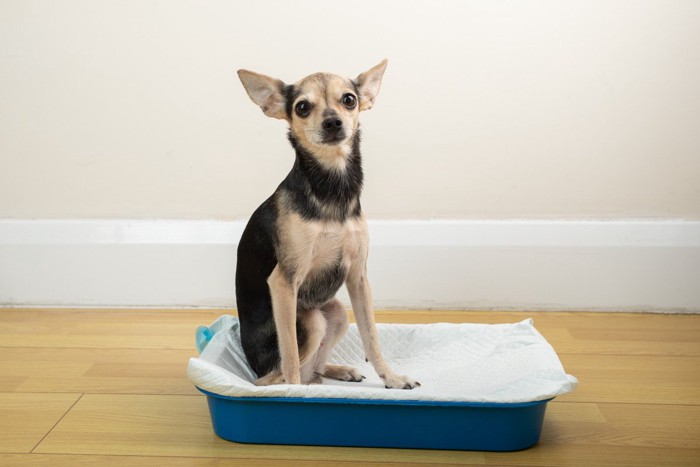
499,363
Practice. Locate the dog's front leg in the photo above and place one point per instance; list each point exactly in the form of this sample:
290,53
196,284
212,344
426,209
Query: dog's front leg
284,310
361,299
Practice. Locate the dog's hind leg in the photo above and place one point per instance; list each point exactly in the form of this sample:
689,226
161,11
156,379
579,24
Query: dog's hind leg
311,327
336,326
315,329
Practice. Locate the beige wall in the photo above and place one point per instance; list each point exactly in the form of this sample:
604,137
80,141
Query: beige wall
488,109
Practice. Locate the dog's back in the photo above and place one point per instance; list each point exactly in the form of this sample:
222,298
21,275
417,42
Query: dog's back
256,260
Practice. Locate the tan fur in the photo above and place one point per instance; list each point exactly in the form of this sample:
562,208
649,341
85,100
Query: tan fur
309,246
305,248
325,91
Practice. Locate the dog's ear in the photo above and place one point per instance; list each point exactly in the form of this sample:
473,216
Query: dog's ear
368,83
265,92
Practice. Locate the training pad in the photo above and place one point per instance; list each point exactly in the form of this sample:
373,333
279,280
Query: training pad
500,363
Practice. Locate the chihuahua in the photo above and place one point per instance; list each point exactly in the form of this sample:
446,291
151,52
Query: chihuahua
310,236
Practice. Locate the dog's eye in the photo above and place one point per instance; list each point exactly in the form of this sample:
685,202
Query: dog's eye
303,109
349,101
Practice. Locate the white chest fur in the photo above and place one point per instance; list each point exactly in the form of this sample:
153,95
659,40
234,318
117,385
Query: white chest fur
307,247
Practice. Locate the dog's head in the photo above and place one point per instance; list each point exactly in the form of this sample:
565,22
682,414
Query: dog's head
322,109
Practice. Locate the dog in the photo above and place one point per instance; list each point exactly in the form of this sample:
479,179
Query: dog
310,237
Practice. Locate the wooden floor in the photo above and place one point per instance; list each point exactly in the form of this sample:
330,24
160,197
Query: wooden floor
108,387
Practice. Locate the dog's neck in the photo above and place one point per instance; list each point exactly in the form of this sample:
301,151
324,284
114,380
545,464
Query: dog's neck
321,193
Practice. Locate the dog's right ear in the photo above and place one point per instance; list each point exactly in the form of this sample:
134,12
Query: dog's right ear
266,92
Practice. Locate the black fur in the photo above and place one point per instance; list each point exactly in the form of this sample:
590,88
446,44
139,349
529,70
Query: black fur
317,194
256,260
356,86
321,287
333,188
290,94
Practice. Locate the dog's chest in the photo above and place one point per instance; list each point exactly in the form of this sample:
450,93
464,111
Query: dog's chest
322,254
335,244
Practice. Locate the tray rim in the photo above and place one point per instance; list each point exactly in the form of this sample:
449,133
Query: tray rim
406,402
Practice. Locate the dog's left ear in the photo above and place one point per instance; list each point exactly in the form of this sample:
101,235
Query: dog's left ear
266,92
368,83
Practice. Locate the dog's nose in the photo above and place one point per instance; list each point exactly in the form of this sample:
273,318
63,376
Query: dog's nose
332,124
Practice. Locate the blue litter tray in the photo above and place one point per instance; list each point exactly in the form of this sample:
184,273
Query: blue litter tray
378,423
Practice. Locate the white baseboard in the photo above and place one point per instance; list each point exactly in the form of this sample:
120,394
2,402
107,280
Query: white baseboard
463,264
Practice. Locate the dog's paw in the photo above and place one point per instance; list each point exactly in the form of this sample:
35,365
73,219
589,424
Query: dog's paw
274,377
343,373
399,382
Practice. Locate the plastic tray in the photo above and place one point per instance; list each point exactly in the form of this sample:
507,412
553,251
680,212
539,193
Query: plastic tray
376,423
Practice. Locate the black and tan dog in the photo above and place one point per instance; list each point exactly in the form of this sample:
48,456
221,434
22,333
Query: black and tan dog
310,236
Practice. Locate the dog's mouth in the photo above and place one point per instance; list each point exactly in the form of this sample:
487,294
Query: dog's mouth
333,139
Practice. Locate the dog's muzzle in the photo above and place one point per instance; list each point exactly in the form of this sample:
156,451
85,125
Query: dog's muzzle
333,131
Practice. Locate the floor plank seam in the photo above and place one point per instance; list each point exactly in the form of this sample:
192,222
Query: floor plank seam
56,424
105,393
664,404
626,403
272,460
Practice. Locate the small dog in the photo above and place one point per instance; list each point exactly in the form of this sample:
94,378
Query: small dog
310,236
